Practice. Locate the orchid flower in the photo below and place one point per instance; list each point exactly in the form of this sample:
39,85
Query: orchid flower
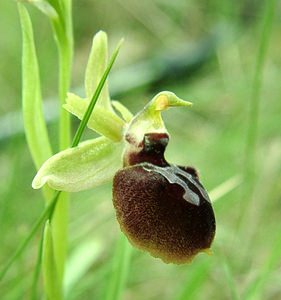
161,208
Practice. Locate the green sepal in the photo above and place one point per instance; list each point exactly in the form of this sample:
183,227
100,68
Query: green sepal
102,121
88,165
50,275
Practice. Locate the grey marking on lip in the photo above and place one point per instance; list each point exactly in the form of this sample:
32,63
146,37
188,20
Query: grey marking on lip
190,178
171,174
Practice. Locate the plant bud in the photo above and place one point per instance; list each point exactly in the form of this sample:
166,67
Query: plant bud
162,208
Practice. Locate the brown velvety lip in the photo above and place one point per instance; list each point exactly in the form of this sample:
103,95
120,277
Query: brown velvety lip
154,216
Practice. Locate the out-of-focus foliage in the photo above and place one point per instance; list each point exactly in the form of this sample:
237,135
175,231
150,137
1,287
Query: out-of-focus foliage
212,136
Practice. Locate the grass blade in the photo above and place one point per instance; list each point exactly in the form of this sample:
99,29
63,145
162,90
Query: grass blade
225,187
120,269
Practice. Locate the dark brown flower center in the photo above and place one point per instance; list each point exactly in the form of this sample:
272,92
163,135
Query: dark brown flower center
150,150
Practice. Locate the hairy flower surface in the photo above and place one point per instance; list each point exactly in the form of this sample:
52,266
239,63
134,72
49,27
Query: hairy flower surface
162,208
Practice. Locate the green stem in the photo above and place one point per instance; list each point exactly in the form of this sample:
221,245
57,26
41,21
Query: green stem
60,218
59,224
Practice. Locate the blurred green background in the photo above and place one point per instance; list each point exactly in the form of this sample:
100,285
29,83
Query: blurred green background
205,52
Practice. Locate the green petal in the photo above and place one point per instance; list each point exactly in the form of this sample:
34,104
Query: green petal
102,120
95,68
89,164
123,110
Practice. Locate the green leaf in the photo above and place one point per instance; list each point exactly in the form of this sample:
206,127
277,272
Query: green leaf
101,120
34,123
89,164
95,68
50,276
